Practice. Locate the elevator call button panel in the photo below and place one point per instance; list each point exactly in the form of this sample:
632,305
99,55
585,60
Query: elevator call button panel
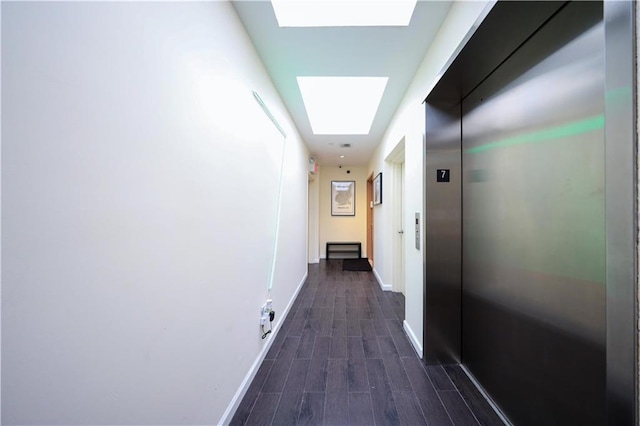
418,231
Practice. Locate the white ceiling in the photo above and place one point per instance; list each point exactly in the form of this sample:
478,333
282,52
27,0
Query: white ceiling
394,52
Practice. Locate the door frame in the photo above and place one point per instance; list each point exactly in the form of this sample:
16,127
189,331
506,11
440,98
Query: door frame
621,213
395,160
370,218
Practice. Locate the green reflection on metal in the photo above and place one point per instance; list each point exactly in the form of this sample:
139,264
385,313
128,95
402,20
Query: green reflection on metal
559,132
538,210
619,94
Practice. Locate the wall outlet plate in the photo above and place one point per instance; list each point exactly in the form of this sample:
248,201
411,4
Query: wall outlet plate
264,315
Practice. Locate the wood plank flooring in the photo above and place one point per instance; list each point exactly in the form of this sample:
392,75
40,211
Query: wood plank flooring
342,358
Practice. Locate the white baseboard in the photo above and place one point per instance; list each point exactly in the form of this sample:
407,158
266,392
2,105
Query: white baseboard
384,287
244,386
413,338
316,260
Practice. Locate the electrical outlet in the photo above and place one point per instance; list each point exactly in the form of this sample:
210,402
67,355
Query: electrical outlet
264,315
269,305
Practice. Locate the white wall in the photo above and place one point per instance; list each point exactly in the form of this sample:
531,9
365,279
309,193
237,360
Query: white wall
314,218
343,228
139,180
408,123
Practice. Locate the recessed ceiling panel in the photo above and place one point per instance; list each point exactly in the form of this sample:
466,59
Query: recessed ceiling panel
341,105
346,13
393,52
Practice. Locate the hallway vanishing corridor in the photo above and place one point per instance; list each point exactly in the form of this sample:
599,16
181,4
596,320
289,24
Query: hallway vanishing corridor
342,358
173,171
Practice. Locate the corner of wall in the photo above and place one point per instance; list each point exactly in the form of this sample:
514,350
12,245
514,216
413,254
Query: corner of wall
415,342
383,286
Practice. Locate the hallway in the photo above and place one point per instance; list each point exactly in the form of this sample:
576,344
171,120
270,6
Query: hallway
342,358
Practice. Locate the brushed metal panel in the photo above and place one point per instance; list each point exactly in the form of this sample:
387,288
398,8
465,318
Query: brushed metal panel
534,227
621,210
503,30
442,323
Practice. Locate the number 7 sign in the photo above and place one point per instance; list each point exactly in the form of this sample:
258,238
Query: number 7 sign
443,175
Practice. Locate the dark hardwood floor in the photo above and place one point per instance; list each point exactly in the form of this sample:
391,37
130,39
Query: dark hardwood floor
342,358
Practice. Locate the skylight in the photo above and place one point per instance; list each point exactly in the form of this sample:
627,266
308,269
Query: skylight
341,105
343,13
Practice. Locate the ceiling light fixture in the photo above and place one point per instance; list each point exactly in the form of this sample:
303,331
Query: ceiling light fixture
341,105
346,13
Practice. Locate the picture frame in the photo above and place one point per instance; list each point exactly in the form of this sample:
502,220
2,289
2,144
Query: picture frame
343,198
377,189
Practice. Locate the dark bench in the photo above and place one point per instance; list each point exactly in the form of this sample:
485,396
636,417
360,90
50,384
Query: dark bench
344,248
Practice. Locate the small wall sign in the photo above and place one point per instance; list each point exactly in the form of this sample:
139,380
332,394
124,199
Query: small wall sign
444,175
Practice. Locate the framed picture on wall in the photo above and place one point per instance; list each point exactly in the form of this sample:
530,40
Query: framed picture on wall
377,190
343,198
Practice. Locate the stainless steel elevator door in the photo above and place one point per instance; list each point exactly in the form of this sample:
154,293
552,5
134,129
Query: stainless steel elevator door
533,298
443,238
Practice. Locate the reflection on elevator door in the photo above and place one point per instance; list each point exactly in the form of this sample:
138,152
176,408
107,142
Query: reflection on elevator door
533,327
